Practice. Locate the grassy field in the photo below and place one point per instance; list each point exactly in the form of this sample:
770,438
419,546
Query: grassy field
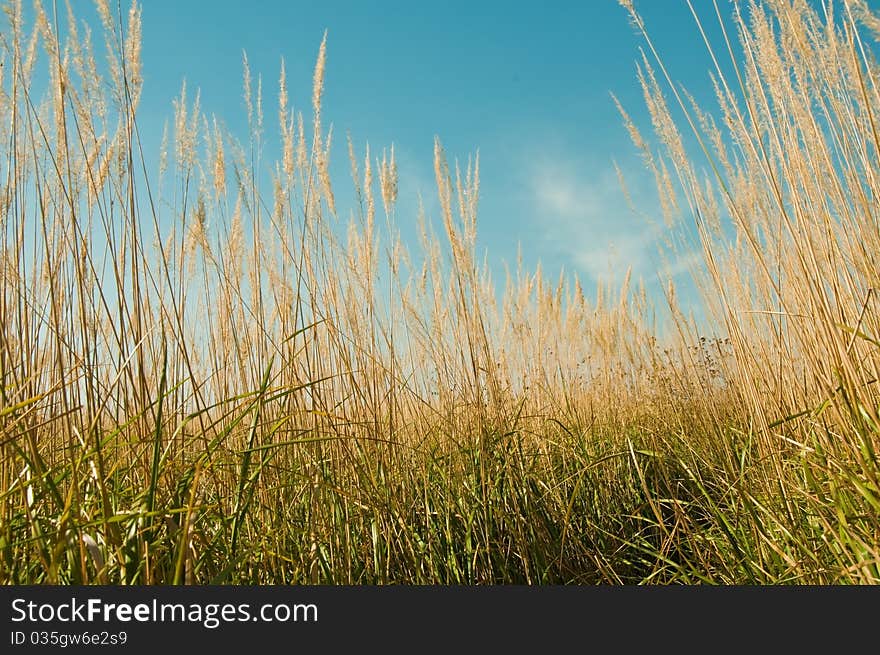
211,378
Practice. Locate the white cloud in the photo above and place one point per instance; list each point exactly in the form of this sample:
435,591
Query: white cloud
584,218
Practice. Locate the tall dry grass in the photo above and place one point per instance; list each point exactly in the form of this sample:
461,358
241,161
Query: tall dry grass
212,373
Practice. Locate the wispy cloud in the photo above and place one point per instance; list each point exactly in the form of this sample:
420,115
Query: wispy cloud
585,218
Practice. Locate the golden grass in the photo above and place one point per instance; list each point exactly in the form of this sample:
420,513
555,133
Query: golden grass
207,381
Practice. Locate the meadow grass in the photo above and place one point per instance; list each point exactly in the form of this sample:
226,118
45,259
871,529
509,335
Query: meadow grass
208,378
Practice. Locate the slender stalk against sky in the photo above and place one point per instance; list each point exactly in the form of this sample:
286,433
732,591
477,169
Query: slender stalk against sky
527,85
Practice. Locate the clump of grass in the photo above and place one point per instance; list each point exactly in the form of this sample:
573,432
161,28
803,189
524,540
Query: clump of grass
208,377
788,232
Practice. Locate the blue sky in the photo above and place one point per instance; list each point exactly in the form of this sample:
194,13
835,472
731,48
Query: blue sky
526,84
